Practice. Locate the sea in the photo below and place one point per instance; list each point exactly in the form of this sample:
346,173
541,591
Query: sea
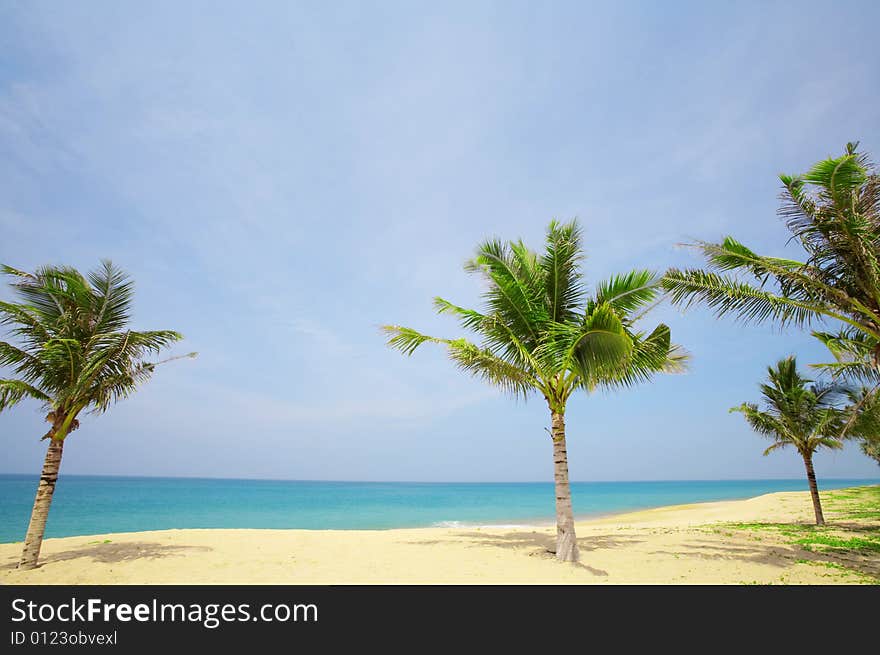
87,505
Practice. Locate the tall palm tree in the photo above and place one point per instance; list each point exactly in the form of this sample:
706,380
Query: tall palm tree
833,211
541,334
800,415
74,353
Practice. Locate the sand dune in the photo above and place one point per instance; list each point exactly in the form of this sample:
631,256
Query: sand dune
680,544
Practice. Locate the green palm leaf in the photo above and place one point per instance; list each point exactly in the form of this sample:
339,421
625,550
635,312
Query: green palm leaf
833,211
802,415
74,351
13,392
539,328
560,264
629,292
540,334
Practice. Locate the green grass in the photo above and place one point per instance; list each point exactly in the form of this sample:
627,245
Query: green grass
844,570
784,529
769,526
848,544
855,501
867,514
855,543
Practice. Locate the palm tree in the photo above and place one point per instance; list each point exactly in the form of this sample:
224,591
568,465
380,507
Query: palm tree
74,354
833,211
541,334
804,417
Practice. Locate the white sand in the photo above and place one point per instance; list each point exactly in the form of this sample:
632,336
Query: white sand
667,545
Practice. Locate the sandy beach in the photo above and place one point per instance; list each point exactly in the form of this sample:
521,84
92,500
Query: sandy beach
706,543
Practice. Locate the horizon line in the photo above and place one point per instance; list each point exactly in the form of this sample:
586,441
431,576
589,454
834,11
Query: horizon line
245,479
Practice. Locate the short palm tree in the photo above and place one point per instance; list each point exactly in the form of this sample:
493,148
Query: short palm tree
541,334
74,353
833,211
799,415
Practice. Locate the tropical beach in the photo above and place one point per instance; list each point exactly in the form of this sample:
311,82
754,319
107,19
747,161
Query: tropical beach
510,295
543,331
763,540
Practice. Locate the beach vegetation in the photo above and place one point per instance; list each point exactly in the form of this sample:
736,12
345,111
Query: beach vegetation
848,544
833,213
72,350
871,448
799,415
541,333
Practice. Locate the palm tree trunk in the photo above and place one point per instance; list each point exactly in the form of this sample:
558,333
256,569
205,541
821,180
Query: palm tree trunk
814,489
566,541
37,527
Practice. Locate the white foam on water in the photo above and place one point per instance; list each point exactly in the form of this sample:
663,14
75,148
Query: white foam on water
487,526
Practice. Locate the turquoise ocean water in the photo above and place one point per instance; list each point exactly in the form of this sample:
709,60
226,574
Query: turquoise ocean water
97,504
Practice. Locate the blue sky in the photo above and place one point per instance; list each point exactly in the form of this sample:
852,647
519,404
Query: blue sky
282,178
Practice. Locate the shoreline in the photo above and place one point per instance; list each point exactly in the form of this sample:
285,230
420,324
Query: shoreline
696,543
495,524
444,525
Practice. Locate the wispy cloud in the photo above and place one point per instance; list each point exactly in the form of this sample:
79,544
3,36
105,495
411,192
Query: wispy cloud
320,337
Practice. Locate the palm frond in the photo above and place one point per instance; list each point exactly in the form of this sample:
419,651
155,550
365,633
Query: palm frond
598,346
776,445
838,176
24,324
22,362
847,343
854,354
50,292
480,362
630,291
750,304
763,423
111,388
861,416
514,295
13,392
469,319
871,448
538,330
407,340
832,443
483,364
731,255
560,264
854,372
803,415
651,355
113,298
72,350
833,211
